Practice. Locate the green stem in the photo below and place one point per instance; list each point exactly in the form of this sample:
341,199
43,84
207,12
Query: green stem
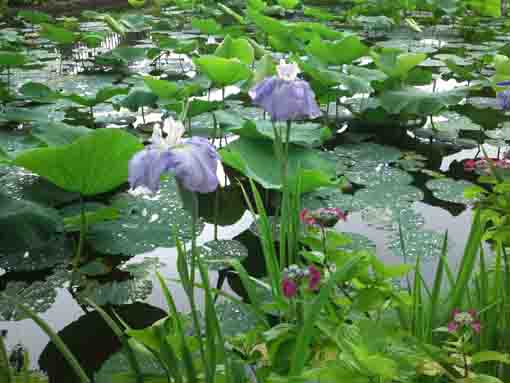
83,232
5,369
57,341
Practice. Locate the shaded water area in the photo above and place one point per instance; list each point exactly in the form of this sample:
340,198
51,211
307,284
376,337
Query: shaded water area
368,152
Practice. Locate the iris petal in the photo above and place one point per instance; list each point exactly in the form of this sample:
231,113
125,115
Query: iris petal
285,100
146,168
195,164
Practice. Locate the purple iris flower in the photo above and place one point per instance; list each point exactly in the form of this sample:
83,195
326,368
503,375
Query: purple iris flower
504,99
284,96
193,161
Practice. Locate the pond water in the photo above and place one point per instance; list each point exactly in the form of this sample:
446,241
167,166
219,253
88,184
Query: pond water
392,169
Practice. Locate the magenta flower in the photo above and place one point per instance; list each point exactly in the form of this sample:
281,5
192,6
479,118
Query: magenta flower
464,320
285,97
193,161
314,277
289,288
469,165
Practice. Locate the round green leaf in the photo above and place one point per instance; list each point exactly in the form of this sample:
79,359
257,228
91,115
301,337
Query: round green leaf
93,164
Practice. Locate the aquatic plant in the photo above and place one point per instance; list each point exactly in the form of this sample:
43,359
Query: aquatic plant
193,161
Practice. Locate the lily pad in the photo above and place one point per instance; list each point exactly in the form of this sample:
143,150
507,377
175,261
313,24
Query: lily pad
328,197
372,174
19,184
450,190
26,225
56,251
417,242
39,296
368,152
136,287
391,195
358,242
217,254
145,222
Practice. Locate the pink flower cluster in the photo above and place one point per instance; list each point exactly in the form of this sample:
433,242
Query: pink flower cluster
483,165
323,217
293,276
464,320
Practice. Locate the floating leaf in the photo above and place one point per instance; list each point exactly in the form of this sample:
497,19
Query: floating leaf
26,225
217,254
144,223
39,296
450,190
387,195
136,286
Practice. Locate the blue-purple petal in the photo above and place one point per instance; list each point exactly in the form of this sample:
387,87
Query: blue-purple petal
285,100
195,164
503,83
504,99
146,168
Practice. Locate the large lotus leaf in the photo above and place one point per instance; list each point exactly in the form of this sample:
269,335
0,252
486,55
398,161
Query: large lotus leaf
305,134
450,190
456,122
218,254
56,251
328,197
19,184
38,92
486,7
419,102
26,225
341,52
101,96
368,152
206,26
57,34
145,222
370,174
164,89
502,67
387,195
236,48
57,133
256,159
13,141
395,63
499,134
136,286
93,164
222,71
138,99
39,296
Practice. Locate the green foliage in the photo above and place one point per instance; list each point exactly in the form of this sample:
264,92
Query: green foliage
107,153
